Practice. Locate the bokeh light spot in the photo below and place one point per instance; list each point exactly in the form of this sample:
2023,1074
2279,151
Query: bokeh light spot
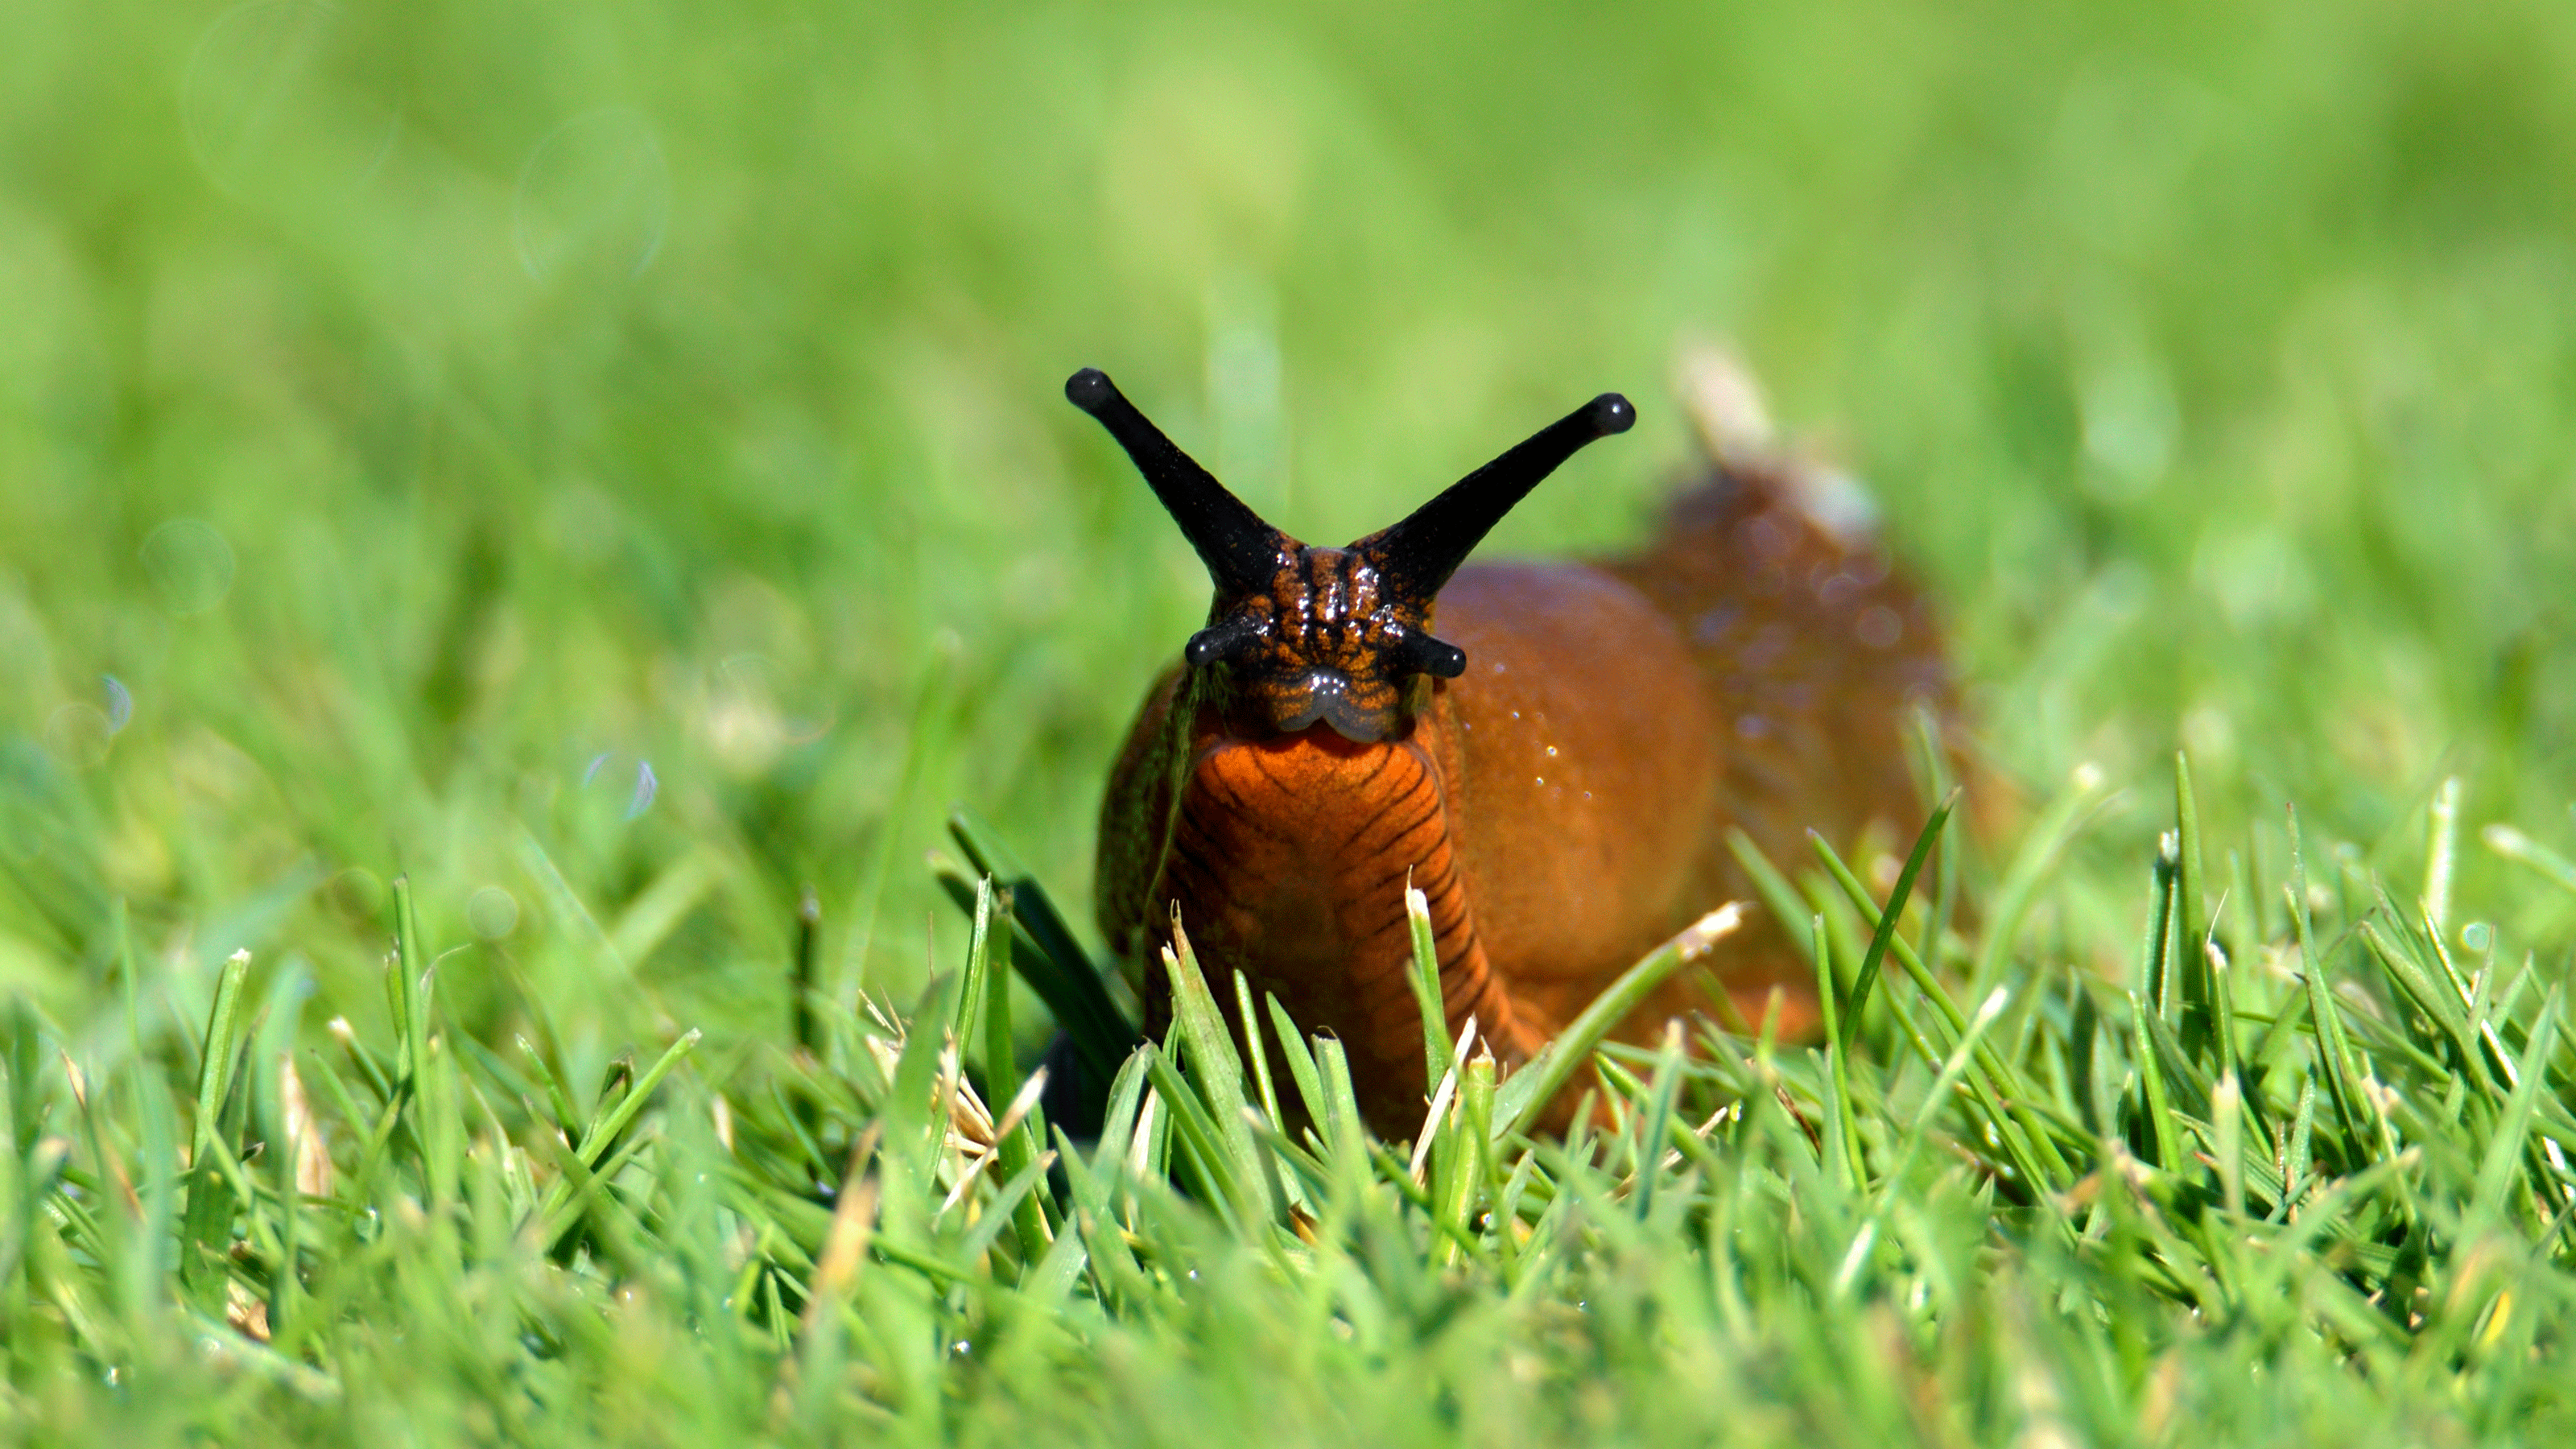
259,109
79,735
492,913
356,895
595,194
190,565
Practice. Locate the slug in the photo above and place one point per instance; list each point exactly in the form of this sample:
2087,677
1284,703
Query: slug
1557,768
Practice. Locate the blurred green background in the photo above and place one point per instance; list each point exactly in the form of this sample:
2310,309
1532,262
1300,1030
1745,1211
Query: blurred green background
420,422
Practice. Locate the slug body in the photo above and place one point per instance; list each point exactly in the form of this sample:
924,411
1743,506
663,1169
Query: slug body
1556,772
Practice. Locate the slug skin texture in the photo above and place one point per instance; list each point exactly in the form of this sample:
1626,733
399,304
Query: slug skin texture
1563,799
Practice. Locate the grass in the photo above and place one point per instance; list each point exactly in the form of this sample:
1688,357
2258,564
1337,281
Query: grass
2255,1184
523,523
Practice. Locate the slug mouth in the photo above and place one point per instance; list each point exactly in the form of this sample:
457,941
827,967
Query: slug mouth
1326,696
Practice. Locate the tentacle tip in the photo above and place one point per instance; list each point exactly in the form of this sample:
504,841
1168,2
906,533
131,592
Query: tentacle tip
1090,389
1435,657
1611,413
1218,641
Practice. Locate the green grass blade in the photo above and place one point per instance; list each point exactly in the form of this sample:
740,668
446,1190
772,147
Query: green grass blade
1301,1062
2200,1020
2524,851
1527,1092
1343,1130
2026,1136
973,990
2151,1080
1046,956
215,1060
1017,1192
1843,1124
2441,852
1779,897
2342,1087
1216,1074
2298,1153
618,1118
1425,980
2227,1144
2416,986
1931,757
2057,826
1953,1072
2155,956
1891,914
2505,1148
1224,1179
1251,1020
2222,1004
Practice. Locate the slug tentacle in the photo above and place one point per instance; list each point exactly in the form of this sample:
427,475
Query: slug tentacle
1332,636
1241,551
1420,653
1224,639
1418,554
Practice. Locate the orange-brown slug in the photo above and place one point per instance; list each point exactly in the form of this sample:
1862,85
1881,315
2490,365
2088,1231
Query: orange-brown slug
1556,768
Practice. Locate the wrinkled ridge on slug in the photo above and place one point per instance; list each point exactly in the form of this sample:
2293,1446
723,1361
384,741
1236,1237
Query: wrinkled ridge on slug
1291,857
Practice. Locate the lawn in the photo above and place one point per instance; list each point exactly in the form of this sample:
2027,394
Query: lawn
527,521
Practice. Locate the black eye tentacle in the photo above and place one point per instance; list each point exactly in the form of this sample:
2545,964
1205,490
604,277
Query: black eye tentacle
1242,553
1417,555
1419,653
1223,639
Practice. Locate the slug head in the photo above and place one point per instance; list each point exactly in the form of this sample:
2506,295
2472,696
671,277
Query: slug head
1299,635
